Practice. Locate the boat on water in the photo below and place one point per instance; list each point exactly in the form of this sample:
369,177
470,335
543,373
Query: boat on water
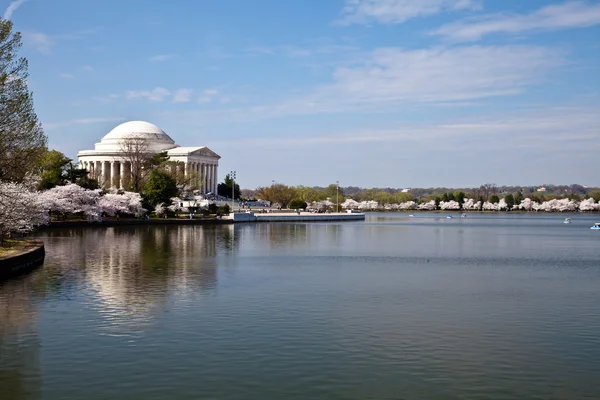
411,215
567,221
596,226
449,217
463,215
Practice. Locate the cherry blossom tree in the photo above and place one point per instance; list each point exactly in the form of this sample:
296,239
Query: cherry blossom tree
528,205
349,204
20,209
589,205
72,199
175,205
409,205
122,203
471,204
429,206
449,205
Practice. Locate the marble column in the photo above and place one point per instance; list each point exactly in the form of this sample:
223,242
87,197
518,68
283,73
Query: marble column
122,175
203,177
216,175
198,181
212,178
113,174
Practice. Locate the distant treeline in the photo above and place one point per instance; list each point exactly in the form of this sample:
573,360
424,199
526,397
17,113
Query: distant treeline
282,194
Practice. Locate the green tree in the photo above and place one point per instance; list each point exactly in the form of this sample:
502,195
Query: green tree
309,194
518,197
22,139
225,188
53,166
298,204
510,201
159,187
459,196
494,199
277,193
594,195
56,169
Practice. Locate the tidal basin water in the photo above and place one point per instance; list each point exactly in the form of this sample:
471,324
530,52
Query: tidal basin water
492,306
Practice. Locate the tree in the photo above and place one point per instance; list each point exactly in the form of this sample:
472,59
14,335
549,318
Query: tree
298,204
277,193
21,209
518,197
57,169
159,187
494,199
459,196
594,195
22,139
509,200
136,151
224,189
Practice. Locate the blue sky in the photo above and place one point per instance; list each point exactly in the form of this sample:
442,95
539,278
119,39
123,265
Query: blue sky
387,93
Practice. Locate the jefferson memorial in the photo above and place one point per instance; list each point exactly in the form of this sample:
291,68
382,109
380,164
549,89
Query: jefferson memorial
110,161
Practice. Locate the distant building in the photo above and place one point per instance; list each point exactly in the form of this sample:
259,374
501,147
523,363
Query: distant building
109,163
541,189
405,190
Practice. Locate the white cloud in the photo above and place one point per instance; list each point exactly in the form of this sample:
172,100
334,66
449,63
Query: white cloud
440,74
88,68
547,128
107,99
204,99
157,94
161,57
182,96
12,7
79,121
390,78
398,11
66,75
42,42
211,92
573,14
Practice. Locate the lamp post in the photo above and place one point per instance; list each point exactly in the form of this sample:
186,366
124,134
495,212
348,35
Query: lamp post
337,197
232,175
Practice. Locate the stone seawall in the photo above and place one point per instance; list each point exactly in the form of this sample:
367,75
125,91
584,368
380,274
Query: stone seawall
31,256
125,222
295,217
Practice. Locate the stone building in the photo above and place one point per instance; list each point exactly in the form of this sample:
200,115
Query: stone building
111,160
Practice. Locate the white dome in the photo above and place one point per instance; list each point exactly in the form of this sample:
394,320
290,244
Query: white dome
156,138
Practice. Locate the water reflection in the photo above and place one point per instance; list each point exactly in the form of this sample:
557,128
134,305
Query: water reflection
322,311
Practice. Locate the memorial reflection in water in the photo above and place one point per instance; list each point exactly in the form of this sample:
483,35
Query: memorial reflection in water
125,277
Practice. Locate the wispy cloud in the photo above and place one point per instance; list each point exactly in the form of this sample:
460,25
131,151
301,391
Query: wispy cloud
107,99
42,42
297,51
12,7
552,127
66,75
80,121
88,68
398,11
161,57
182,96
573,14
208,95
157,94
391,77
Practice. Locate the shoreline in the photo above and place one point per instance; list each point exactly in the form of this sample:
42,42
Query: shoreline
28,255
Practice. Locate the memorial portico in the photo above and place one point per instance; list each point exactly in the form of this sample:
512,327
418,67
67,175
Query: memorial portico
114,159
